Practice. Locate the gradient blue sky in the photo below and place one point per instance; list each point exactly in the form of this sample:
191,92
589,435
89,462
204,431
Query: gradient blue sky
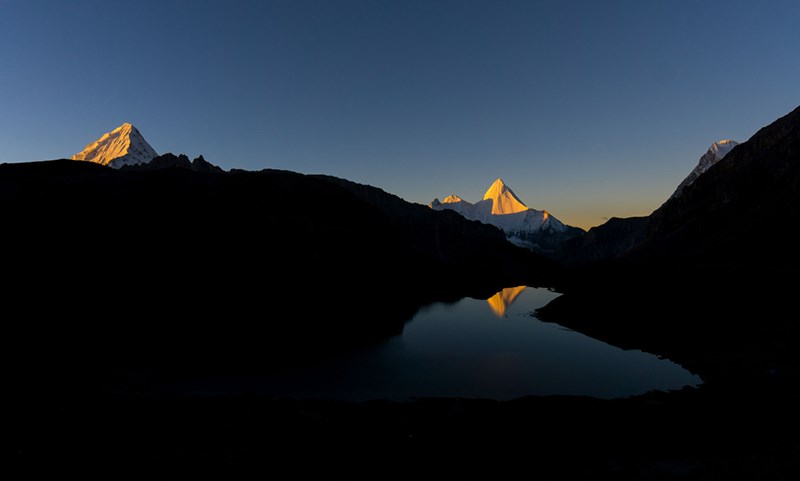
587,109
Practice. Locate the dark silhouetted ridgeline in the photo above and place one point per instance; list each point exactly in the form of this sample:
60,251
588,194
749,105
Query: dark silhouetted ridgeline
182,266
707,278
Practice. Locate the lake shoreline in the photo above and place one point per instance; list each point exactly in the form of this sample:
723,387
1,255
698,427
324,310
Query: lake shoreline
476,347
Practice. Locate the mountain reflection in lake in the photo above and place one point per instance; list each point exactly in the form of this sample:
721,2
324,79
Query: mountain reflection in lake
464,350
501,300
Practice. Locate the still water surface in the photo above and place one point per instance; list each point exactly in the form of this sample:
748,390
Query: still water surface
474,348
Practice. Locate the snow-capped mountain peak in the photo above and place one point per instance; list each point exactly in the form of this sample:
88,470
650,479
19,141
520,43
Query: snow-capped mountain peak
451,199
504,201
124,145
714,154
721,148
532,228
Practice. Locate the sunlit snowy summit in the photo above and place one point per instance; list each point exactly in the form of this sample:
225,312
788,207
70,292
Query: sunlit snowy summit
123,146
715,153
500,207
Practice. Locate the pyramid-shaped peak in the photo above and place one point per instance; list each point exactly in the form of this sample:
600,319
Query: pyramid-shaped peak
497,188
124,129
504,200
122,146
497,184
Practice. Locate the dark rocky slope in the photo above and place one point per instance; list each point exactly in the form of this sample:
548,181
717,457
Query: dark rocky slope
611,240
739,205
736,212
707,281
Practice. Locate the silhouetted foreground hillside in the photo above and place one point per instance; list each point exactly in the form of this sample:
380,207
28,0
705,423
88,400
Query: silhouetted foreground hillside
705,279
175,272
194,270
737,213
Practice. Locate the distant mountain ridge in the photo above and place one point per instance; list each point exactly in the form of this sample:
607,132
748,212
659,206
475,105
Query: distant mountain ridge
535,229
123,146
181,161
